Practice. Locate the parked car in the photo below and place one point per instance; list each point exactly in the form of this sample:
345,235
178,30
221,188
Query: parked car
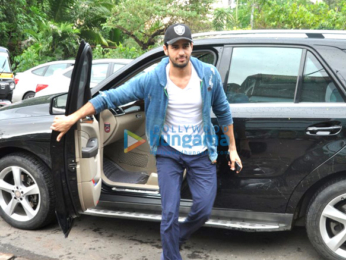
26,82
100,70
7,83
287,94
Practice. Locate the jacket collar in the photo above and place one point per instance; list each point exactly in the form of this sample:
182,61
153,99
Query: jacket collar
160,69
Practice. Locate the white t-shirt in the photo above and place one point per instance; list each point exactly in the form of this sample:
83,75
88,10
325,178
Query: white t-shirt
183,127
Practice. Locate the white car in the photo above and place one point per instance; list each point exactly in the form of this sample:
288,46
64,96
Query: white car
100,70
26,82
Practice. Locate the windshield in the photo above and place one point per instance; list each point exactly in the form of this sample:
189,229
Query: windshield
4,63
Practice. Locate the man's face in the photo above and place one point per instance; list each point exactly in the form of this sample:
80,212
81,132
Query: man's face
179,53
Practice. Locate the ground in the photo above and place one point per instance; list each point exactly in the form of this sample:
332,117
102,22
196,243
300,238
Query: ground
95,238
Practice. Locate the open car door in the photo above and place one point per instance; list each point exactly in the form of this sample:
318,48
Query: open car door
76,163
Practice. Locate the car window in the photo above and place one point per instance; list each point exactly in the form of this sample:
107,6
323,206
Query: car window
205,56
39,71
54,68
117,66
98,72
317,84
263,74
4,62
68,74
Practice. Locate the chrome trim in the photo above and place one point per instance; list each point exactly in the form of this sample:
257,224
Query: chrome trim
287,110
87,119
137,191
339,34
227,223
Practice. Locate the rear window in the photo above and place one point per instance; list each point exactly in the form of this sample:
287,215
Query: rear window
39,71
317,84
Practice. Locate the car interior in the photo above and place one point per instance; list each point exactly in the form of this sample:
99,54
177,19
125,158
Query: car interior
133,170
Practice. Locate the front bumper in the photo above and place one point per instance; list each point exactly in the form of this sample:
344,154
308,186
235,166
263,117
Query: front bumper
5,89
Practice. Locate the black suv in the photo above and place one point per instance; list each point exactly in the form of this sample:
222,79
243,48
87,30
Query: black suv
287,93
7,83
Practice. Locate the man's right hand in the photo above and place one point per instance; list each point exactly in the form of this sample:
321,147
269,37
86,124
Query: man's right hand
62,124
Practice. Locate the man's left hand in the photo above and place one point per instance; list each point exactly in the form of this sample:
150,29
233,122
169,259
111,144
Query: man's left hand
234,157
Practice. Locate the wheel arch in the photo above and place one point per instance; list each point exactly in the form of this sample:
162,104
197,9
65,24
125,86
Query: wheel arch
27,92
302,207
10,150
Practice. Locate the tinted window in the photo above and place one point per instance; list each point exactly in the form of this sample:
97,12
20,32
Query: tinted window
207,57
98,72
263,74
54,68
317,85
40,71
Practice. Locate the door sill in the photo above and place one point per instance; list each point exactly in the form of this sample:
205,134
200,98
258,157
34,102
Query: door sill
225,223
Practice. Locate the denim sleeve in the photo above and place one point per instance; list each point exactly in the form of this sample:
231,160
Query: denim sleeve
219,103
131,91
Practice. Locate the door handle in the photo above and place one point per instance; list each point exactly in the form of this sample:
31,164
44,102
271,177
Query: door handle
87,119
117,111
91,148
323,131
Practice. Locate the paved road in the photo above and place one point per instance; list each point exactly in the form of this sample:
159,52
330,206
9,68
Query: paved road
105,238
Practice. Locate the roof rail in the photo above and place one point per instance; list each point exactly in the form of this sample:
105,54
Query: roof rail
334,34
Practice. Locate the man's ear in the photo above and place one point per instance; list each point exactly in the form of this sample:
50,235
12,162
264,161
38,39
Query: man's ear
165,50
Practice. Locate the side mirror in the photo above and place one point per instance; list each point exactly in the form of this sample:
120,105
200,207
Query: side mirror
58,105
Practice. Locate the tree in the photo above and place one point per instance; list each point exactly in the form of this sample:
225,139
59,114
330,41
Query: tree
300,14
293,14
145,21
51,41
90,15
15,18
223,19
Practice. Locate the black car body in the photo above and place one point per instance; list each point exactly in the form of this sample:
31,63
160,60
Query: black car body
7,83
287,94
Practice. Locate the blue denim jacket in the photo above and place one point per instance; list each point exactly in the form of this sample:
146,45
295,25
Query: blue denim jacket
151,87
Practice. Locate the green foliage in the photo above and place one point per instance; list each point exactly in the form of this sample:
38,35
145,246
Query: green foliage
145,21
37,31
91,15
50,41
15,19
224,19
30,58
61,10
294,14
120,52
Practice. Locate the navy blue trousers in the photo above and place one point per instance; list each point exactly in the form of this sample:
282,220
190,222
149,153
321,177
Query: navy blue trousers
201,178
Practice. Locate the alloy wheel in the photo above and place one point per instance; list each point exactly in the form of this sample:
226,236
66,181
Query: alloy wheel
19,194
333,225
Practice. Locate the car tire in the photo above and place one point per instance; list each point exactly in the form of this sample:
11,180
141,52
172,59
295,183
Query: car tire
27,201
326,220
29,95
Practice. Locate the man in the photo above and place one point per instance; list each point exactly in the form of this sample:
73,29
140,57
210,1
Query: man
178,95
